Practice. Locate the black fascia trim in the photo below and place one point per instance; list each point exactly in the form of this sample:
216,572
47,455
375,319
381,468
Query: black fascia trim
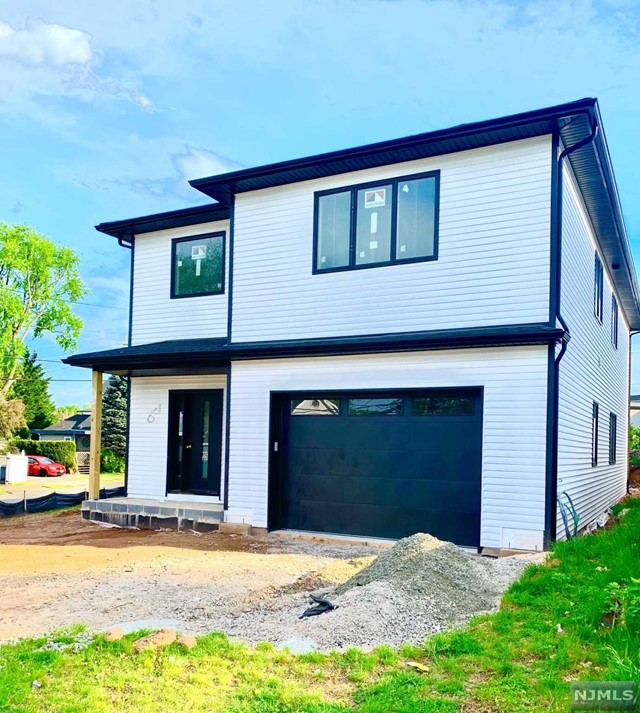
223,185
123,229
353,190
201,352
218,234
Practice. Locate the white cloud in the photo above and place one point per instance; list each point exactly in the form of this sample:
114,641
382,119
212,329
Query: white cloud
198,162
41,43
48,59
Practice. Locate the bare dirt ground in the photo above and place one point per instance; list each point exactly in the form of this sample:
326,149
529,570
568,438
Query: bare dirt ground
57,570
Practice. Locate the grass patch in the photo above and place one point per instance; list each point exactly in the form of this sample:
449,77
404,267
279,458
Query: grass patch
575,618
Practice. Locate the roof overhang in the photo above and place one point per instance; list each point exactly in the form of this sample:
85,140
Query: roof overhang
126,229
200,354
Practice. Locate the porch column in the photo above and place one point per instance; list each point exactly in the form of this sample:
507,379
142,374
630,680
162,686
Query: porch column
96,435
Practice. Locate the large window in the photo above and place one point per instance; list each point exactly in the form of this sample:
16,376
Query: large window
598,287
197,265
614,321
382,223
613,438
594,434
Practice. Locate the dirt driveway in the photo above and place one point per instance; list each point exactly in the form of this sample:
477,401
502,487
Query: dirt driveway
56,570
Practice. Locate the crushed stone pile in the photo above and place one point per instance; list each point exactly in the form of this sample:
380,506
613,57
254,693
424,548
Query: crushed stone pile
420,586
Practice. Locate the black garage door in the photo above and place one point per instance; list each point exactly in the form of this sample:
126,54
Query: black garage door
378,464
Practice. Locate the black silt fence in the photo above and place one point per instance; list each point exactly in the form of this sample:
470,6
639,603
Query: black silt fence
53,501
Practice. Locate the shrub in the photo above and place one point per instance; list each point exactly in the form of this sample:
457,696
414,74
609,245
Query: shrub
60,451
111,462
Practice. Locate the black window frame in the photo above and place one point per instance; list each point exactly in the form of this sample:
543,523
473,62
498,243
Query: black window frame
598,288
615,318
613,438
217,234
353,189
595,419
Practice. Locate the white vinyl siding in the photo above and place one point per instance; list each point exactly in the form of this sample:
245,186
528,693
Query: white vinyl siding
592,370
514,424
149,428
157,317
492,266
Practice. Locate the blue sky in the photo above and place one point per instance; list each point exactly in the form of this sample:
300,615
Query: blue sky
107,109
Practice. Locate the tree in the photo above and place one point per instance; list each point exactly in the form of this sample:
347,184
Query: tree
39,282
114,415
32,388
11,416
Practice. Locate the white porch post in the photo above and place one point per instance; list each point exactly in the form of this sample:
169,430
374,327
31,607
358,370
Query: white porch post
96,435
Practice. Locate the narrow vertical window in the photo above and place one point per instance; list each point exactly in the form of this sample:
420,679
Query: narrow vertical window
614,321
416,218
598,286
594,434
334,230
373,224
613,438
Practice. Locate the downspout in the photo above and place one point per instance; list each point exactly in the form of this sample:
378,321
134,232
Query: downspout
555,316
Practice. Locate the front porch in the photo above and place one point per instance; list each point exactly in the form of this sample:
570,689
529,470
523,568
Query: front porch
148,514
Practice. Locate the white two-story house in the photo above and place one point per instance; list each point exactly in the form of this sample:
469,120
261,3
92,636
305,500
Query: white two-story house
430,334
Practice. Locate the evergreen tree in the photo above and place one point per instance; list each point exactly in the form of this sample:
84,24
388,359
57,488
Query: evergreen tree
114,415
32,388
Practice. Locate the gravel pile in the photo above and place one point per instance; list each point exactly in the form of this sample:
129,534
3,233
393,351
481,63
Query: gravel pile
418,587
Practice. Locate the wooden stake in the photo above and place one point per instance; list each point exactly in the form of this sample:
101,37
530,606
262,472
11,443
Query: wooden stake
96,435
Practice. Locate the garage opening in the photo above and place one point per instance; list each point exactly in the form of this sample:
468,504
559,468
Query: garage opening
378,464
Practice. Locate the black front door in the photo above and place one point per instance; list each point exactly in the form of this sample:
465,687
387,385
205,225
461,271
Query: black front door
195,442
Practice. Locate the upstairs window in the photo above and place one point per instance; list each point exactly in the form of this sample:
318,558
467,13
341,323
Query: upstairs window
197,265
373,224
613,438
614,321
594,434
598,287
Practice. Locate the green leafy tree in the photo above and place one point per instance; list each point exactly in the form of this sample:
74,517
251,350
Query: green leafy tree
11,416
634,438
114,415
32,388
39,282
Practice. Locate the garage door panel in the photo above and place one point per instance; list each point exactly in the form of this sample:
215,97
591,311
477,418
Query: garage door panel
382,492
381,475
392,523
462,465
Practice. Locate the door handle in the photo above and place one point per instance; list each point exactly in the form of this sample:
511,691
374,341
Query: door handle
188,445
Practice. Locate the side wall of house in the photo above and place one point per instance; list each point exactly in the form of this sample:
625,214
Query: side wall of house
514,425
592,370
156,317
149,430
492,266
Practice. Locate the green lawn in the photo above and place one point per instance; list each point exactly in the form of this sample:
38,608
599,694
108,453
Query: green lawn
576,618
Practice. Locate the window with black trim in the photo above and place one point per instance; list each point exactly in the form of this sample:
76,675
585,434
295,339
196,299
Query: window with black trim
443,405
375,407
384,223
613,438
197,265
614,321
315,406
598,287
594,434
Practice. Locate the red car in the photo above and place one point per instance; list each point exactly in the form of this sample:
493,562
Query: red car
39,465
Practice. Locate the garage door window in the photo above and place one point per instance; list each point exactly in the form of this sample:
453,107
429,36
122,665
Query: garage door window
315,407
443,406
375,407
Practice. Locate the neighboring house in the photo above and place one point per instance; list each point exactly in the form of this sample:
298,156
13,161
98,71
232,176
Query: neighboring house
634,410
76,428
427,334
